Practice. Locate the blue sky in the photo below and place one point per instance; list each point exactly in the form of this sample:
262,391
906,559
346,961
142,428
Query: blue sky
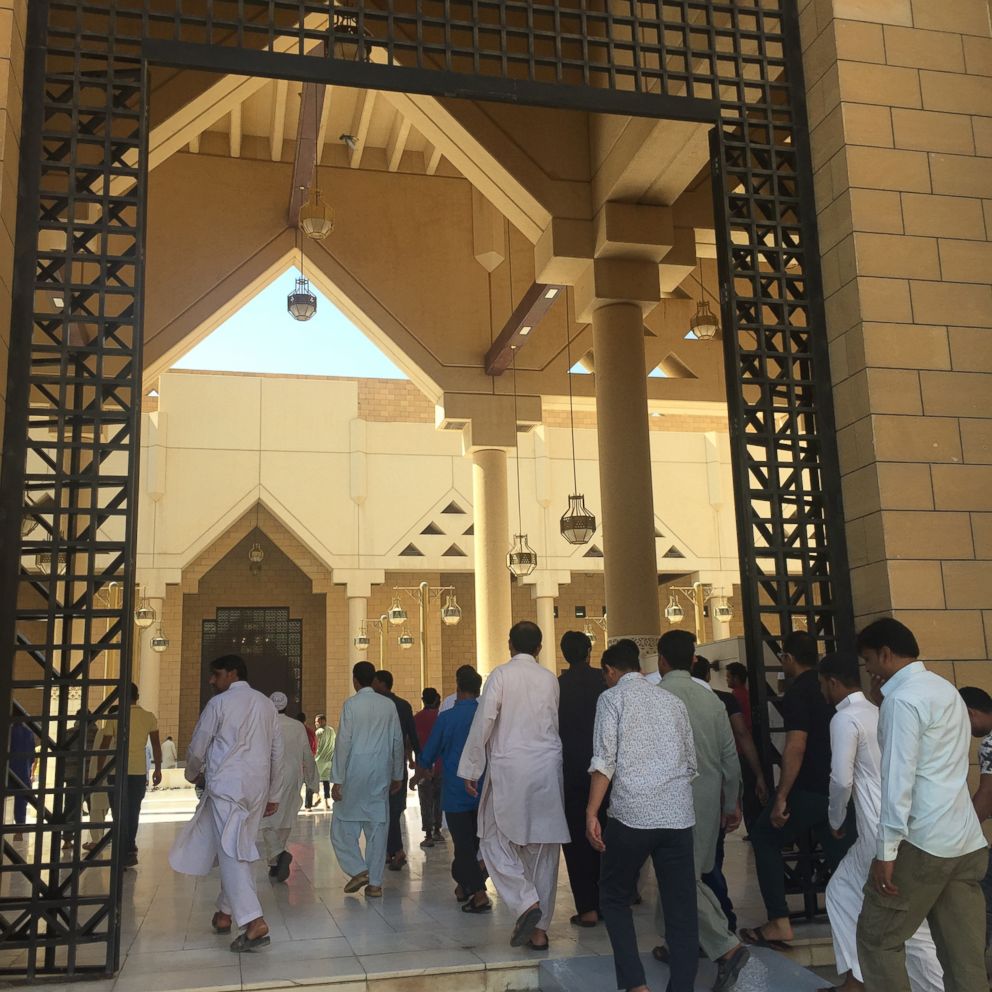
262,337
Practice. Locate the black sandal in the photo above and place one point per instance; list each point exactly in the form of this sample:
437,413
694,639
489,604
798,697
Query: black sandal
243,944
471,907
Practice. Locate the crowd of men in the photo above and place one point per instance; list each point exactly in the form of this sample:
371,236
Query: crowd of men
615,769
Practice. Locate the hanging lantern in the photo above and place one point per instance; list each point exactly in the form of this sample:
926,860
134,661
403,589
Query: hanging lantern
704,323
144,615
33,510
396,614
160,643
723,612
362,642
590,633
521,559
406,640
256,555
43,562
316,217
451,613
302,302
673,612
578,523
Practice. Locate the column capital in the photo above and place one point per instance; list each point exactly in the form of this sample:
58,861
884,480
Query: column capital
486,420
545,583
358,582
617,280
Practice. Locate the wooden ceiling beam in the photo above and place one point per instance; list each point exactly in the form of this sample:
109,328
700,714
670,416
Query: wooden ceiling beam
529,312
312,101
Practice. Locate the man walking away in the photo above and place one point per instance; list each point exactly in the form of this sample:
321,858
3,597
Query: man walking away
444,747
643,745
367,767
931,854
800,801
855,768
170,757
325,755
429,787
296,769
234,756
19,767
514,739
395,853
979,704
716,801
579,687
142,726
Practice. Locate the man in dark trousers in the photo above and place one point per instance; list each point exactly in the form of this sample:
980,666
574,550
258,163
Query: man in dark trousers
395,854
580,687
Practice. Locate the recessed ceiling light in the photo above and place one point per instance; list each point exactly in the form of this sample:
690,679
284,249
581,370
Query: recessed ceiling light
152,394
551,293
525,330
58,301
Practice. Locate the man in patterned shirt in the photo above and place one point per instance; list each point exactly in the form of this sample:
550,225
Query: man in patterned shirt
643,744
979,704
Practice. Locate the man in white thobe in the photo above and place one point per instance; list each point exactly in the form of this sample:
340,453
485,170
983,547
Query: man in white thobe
855,766
514,740
368,765
297,768
235,755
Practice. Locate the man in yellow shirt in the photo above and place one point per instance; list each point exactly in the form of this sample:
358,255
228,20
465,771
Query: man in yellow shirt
142,726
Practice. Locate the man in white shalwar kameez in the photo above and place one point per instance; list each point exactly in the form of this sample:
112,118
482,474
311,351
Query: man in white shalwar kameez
368,764
235,754
855,766
514,740
297,768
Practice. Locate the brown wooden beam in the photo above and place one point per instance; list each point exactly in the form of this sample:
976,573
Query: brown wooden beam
311,104
529,312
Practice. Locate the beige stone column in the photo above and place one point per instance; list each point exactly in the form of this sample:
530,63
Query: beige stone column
357,612
492,541
630,563
546,621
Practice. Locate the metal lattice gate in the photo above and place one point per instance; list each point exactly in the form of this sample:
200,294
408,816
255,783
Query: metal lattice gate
67,491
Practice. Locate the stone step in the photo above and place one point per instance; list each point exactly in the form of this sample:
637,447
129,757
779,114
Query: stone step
767,971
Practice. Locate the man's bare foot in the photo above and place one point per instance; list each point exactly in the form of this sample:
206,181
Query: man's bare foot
257,928
773,930
539,938
591,917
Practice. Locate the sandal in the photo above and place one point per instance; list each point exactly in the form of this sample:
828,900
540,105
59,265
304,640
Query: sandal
531,946
244,944
471,907
395,865
754,937
526,922
460,895
217,929
577,921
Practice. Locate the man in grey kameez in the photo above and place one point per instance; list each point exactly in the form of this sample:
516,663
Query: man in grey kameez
367,766
716,798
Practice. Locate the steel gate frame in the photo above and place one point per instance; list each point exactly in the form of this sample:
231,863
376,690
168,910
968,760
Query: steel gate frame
69,474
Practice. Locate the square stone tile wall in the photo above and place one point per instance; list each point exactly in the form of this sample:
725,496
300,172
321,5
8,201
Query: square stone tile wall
900,106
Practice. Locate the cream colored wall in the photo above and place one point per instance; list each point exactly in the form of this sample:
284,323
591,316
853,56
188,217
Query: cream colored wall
13,27
357,492
900,102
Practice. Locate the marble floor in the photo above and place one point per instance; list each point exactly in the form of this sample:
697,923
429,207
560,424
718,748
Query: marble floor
320,936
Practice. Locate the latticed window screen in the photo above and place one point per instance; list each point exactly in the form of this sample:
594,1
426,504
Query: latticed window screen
71,434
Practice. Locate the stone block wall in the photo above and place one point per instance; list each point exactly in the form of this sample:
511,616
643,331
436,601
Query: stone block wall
900,106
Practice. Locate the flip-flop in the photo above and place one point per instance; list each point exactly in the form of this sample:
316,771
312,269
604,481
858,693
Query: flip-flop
526,922
243,944
531,946
577,921
217,929
470,907
754,937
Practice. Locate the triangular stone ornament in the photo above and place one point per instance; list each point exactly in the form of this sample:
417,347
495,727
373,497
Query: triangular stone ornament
594,552
673,552
452,507
432,528
411,551
470,532
454,552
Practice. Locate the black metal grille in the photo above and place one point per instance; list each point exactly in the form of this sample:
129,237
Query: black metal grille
71,435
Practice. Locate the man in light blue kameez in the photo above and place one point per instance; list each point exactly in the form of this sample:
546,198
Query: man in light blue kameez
367,766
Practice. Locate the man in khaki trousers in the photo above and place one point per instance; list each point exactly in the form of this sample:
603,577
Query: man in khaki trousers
931,854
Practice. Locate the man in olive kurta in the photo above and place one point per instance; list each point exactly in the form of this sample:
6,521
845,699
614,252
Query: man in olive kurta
716,798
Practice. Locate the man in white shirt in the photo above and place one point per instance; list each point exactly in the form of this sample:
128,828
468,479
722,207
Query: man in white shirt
979,704
234,755
296,769
931,854
643,744
856,769
514,740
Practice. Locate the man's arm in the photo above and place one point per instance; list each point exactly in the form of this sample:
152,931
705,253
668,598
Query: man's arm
605,743
730,766
792,761
899,737
156,756
843,751
982,798
342,748
276,751
473,759
398,756
429,753
203,734
746,746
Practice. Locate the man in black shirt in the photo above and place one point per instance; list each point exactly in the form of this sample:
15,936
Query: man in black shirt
395,854
580,688
803,792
